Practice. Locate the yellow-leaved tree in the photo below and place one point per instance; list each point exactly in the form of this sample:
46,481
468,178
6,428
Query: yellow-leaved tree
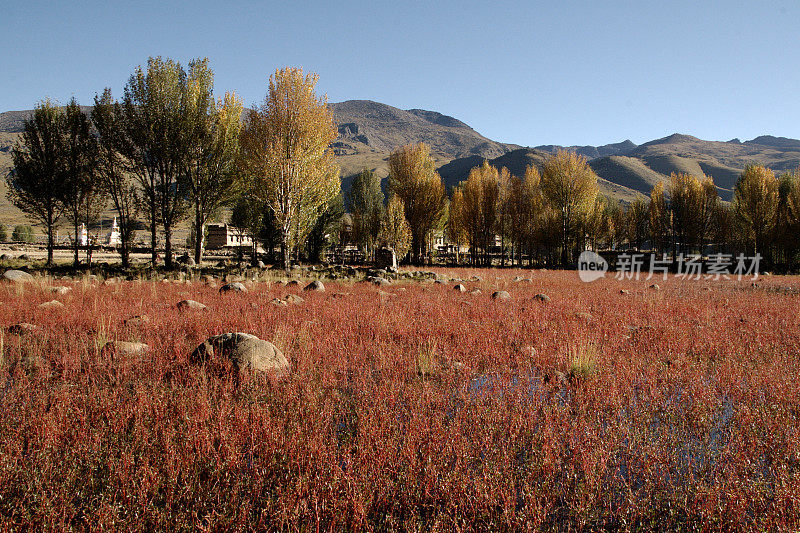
413,178
570,186
755,205
395,231
478,204
287,156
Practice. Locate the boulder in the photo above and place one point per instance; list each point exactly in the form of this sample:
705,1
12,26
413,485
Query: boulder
501,295
185,305
60,290
475,292
294,299
624,291
315,285
138,320
124,348
52,304
244,351
235,286
17,276
278,302
460,288
542,297
655,287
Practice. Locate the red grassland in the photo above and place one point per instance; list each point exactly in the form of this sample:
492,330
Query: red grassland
430,409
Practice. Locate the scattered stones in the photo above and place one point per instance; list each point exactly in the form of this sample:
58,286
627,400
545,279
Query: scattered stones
294,299
235,286
17,276
185,305
542,297
501,295
245,351
278,302
23,328
315,285
124,348
475,292
460,288
52,304
60,290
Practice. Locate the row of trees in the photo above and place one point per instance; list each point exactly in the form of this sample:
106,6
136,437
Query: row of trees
170,150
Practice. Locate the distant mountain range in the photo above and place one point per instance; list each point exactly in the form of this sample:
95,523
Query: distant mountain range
369,131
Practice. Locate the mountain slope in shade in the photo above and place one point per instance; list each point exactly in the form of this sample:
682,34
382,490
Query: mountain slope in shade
592,152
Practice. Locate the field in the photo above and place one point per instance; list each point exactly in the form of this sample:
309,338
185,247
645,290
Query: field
408,407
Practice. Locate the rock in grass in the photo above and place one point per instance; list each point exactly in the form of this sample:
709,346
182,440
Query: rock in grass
17,276
23,328
293,283
475,292
655,287
235,286
52,305
278,302
315,285
624,291
244,351
460,288
501,295
185,305
294,299
124,348
60,290
584,316
542,297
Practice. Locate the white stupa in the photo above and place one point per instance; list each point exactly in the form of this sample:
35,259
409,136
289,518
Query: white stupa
112,237
83,236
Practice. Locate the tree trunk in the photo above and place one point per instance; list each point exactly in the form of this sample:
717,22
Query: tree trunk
198,235
285,260
76,248
167,246
50,239
153,237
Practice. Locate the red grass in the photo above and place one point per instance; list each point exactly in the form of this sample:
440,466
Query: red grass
689,421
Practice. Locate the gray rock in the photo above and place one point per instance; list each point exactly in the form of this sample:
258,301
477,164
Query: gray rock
235,286
17,276
124,348
60,290
245,351
294,299
52,304
23,328
139,320
542,297
460,288
315,285
475,292
278,302
185,305
501,295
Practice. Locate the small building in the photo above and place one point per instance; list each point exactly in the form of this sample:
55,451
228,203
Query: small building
112,237
225,235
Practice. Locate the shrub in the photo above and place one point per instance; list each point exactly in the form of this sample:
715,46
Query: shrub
3,233
22,234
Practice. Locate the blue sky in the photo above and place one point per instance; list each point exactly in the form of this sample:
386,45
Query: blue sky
570,72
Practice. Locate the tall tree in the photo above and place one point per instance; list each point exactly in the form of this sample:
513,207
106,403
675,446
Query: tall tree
83,198
209,168
35,184
413,178
395,229
659,218
755,205
479,198
366,203
154,104
326,230
524,206
112,168
637,222
693,202
570,186
286,148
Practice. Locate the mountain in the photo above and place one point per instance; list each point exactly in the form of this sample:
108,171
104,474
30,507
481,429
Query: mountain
592,152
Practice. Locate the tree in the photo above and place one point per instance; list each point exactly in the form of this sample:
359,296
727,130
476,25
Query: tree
153,106
212,127
524,206
693,201
35,184
365,201
83,199
755,205
395,230
787,222
413,178
326,230
659,218
112,168
637,222
456,229
570,186
478,208
286,149
22,233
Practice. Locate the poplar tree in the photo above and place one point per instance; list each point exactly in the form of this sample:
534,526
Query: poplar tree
366,203
413,178
287,155
755,205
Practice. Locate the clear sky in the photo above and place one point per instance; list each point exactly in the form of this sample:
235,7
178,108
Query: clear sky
531,73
